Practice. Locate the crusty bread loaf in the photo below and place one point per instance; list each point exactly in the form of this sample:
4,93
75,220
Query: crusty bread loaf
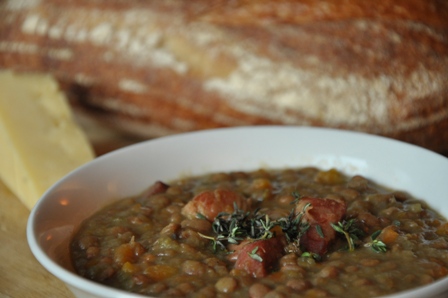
159,67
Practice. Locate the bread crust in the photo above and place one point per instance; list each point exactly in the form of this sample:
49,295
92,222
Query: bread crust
153,68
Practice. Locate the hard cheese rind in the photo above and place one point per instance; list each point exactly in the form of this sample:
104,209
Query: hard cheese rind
40,141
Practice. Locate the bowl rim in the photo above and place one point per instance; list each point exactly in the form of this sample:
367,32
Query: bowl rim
73,280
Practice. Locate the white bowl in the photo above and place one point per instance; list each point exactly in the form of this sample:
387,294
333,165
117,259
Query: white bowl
130,170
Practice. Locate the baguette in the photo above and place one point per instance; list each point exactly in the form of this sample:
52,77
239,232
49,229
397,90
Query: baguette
152,68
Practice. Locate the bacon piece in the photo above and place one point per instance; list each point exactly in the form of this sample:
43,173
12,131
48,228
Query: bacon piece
268,252
210,203
156,188
320,214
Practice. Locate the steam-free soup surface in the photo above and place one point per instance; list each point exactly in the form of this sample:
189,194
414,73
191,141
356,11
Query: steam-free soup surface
281,233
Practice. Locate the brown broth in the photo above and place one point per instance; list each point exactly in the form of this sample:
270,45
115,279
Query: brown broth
145,244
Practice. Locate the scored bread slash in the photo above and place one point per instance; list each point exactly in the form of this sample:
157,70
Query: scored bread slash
40,140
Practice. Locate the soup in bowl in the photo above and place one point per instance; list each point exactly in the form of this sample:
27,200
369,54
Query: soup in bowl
252,211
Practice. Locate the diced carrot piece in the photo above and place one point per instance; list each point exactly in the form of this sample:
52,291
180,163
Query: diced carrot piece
388,235
160,272
331,176
442,230
129,268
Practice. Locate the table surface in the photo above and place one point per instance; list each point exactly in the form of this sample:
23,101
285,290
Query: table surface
20,273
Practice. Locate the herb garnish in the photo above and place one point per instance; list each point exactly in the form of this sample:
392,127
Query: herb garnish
234,227
319,231
296,195
377,245
308,254
200,216
240,225
350,230
253,255
293,226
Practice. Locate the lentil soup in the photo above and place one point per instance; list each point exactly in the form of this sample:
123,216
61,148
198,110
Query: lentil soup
267,233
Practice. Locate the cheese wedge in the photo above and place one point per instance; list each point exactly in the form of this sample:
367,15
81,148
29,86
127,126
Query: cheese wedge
40,141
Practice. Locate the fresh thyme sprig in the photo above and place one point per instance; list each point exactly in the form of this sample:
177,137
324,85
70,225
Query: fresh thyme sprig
376,245
239,225
293,226
350,230
215,242
232,228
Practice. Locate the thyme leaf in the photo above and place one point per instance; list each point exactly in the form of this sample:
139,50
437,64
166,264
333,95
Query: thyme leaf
296,195
375,234
308,254
253,254
200,216
319,231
